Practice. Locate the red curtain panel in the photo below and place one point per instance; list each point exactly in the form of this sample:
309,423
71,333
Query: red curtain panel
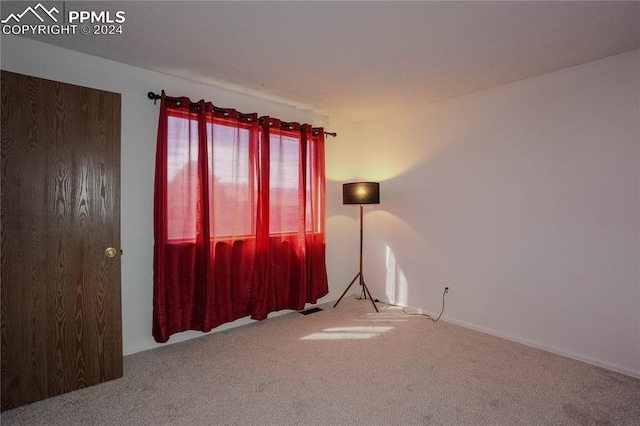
239,217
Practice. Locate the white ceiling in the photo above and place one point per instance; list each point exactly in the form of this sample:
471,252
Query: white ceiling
358,60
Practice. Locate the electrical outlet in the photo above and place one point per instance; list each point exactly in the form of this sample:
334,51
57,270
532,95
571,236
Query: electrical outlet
447,291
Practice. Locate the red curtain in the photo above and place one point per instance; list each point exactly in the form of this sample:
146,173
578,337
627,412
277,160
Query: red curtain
239,217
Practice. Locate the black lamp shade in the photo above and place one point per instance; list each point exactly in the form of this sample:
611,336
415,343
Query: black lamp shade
361,193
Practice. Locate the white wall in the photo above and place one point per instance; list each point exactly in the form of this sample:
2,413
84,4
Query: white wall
524,200
139,128
343,226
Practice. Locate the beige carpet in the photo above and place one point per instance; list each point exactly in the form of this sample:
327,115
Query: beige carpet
347,366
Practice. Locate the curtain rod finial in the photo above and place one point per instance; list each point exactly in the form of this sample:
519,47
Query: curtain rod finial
153,97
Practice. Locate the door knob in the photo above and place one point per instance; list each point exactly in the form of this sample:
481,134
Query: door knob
110,252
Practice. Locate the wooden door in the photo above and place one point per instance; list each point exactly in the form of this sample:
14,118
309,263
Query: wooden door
60,209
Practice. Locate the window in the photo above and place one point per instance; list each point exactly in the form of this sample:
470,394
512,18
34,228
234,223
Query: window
232,181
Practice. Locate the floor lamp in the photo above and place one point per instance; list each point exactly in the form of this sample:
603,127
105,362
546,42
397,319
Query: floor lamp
360,193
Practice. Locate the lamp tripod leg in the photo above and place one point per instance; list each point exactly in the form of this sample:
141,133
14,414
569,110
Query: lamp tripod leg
359,274
366,290
364,286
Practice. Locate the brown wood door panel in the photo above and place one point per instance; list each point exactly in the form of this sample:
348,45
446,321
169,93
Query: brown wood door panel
60,209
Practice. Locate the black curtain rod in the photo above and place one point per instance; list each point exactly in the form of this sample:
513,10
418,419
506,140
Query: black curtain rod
155,97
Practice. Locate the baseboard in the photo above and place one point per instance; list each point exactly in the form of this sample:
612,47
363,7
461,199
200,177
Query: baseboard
531,343
188,335
192,334
551,349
